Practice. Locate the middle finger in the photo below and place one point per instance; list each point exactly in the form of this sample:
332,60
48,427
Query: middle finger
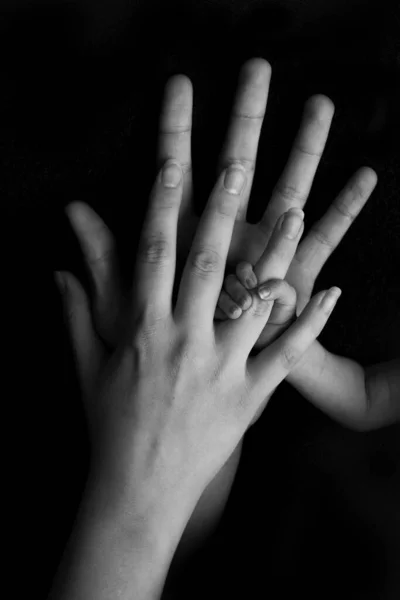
247,117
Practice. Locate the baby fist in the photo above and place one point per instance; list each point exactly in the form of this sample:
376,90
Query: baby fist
234,297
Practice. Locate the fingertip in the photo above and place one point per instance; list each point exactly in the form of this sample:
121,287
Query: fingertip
77,213
246,275
330,298
369,176
235,313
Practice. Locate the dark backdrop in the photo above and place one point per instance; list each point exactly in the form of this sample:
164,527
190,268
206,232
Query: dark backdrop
315,508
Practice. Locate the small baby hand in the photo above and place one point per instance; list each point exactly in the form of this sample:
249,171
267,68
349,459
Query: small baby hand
235,298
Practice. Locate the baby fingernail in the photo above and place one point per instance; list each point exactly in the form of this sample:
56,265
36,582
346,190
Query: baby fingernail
171,174
264,292
234,179
292,223
235,312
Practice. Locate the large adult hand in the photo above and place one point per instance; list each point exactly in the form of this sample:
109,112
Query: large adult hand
111,304
175,398
248,240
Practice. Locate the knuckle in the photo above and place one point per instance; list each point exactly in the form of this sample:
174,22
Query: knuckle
344,211
206,261
154,250
248,163
289,193
147,331
322,238
260,307
289,356
226,207
103,257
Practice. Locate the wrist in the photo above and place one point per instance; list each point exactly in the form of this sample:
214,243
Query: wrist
120,550
139,514
309,360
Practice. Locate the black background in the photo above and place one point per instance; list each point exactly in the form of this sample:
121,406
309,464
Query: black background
315,510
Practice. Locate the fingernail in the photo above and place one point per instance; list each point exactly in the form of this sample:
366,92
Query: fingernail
264,292
292,223
235,178
235,312
171,174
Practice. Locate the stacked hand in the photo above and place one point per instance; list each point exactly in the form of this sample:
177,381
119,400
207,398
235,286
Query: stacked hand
169,387
249,241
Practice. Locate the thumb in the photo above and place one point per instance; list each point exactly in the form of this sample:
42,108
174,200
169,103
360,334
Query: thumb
87,348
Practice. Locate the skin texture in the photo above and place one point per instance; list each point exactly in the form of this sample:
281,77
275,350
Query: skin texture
362,399
169,406
247,243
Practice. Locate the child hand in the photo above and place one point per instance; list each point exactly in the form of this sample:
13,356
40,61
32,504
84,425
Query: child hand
236,297
271,267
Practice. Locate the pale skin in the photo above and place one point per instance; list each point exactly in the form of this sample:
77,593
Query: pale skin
168,406
364,398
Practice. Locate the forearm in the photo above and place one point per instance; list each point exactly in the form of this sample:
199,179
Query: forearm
119,554
383,387
334,384
360,398
206,516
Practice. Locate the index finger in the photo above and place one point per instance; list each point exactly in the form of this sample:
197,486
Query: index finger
203,274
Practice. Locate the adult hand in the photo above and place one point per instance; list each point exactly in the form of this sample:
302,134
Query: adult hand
111,304
174,399
248,240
